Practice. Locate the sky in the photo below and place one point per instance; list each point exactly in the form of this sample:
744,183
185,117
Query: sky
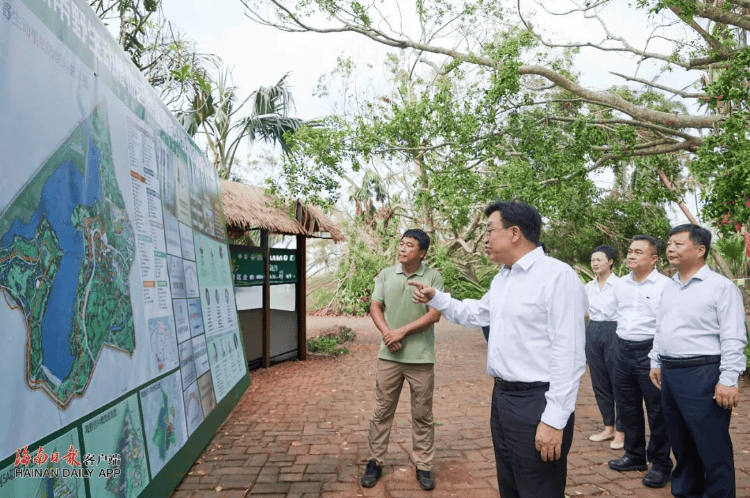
260,55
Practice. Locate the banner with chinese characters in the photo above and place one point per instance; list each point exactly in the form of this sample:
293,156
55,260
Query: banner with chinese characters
283,266
121,346
247,266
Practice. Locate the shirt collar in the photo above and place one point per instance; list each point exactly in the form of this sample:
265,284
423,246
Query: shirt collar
610,279
701,274
420,270
528,259
651,277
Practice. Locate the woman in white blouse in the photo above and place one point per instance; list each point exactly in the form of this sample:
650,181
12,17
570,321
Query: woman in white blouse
601,343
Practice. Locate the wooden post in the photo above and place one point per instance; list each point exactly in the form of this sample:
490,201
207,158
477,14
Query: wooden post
302,296
266,298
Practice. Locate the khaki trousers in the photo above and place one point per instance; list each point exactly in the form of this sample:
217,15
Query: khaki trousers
389,381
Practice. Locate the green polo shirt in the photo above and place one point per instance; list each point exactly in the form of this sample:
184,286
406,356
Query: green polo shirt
393,290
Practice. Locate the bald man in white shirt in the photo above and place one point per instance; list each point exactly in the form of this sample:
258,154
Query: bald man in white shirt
535,309
696,361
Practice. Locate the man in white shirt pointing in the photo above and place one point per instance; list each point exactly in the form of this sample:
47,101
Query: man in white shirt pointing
696,361
535,310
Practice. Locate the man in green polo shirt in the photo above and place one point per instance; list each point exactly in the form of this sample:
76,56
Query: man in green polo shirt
407,352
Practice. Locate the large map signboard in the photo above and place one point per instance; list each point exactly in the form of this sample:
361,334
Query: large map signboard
121,350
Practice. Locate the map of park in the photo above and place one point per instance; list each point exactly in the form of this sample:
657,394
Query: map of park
132,478
164,432
66,251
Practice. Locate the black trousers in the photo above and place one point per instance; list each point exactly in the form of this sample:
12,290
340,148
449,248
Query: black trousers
521,473
699,429
633,386
601,353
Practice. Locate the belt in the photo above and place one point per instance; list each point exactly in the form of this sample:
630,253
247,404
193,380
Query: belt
636,345
691,361
507,385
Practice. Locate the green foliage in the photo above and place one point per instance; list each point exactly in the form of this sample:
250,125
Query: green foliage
358,268
724,158
330,341
328,345
216,112
732,248
610,221
460,145
321,292
465,279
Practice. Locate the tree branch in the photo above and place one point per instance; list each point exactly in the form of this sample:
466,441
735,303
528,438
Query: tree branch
712,42
679,93
626,47
721,15
687,145
606,99
630,122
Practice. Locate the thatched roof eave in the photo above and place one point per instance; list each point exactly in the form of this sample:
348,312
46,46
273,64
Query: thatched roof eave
249,208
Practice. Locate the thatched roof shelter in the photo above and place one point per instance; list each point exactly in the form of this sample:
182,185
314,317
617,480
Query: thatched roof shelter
249,208
317,223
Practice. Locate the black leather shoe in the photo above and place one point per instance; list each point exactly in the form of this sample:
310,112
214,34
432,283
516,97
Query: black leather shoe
626,462
372,474
425,479
656,478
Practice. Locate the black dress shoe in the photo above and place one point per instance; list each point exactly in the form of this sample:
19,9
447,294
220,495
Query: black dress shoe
425,479
656,478
626,462
371,475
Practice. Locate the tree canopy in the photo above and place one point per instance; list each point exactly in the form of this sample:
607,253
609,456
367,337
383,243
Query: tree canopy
485,105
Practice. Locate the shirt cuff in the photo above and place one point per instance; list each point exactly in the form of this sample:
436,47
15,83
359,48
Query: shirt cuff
440,300
729,378
655,364
555,417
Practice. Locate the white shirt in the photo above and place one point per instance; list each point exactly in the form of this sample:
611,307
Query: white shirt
536,316
602,301
637,303
703,317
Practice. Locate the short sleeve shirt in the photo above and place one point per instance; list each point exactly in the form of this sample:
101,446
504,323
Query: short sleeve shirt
393,290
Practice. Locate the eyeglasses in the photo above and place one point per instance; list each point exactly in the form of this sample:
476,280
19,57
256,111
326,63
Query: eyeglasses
488,231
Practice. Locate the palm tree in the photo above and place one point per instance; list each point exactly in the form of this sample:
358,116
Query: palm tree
215,114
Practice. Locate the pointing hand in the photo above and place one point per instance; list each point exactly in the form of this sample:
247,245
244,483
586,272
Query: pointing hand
423,293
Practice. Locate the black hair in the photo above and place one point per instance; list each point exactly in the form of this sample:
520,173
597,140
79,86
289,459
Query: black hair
520,214
420,236
698,235
653,242
608,251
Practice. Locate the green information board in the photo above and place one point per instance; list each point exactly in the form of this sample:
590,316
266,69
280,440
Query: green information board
283,266
247,265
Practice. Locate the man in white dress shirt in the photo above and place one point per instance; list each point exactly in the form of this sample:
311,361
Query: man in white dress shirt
696,362
637,299
535,310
